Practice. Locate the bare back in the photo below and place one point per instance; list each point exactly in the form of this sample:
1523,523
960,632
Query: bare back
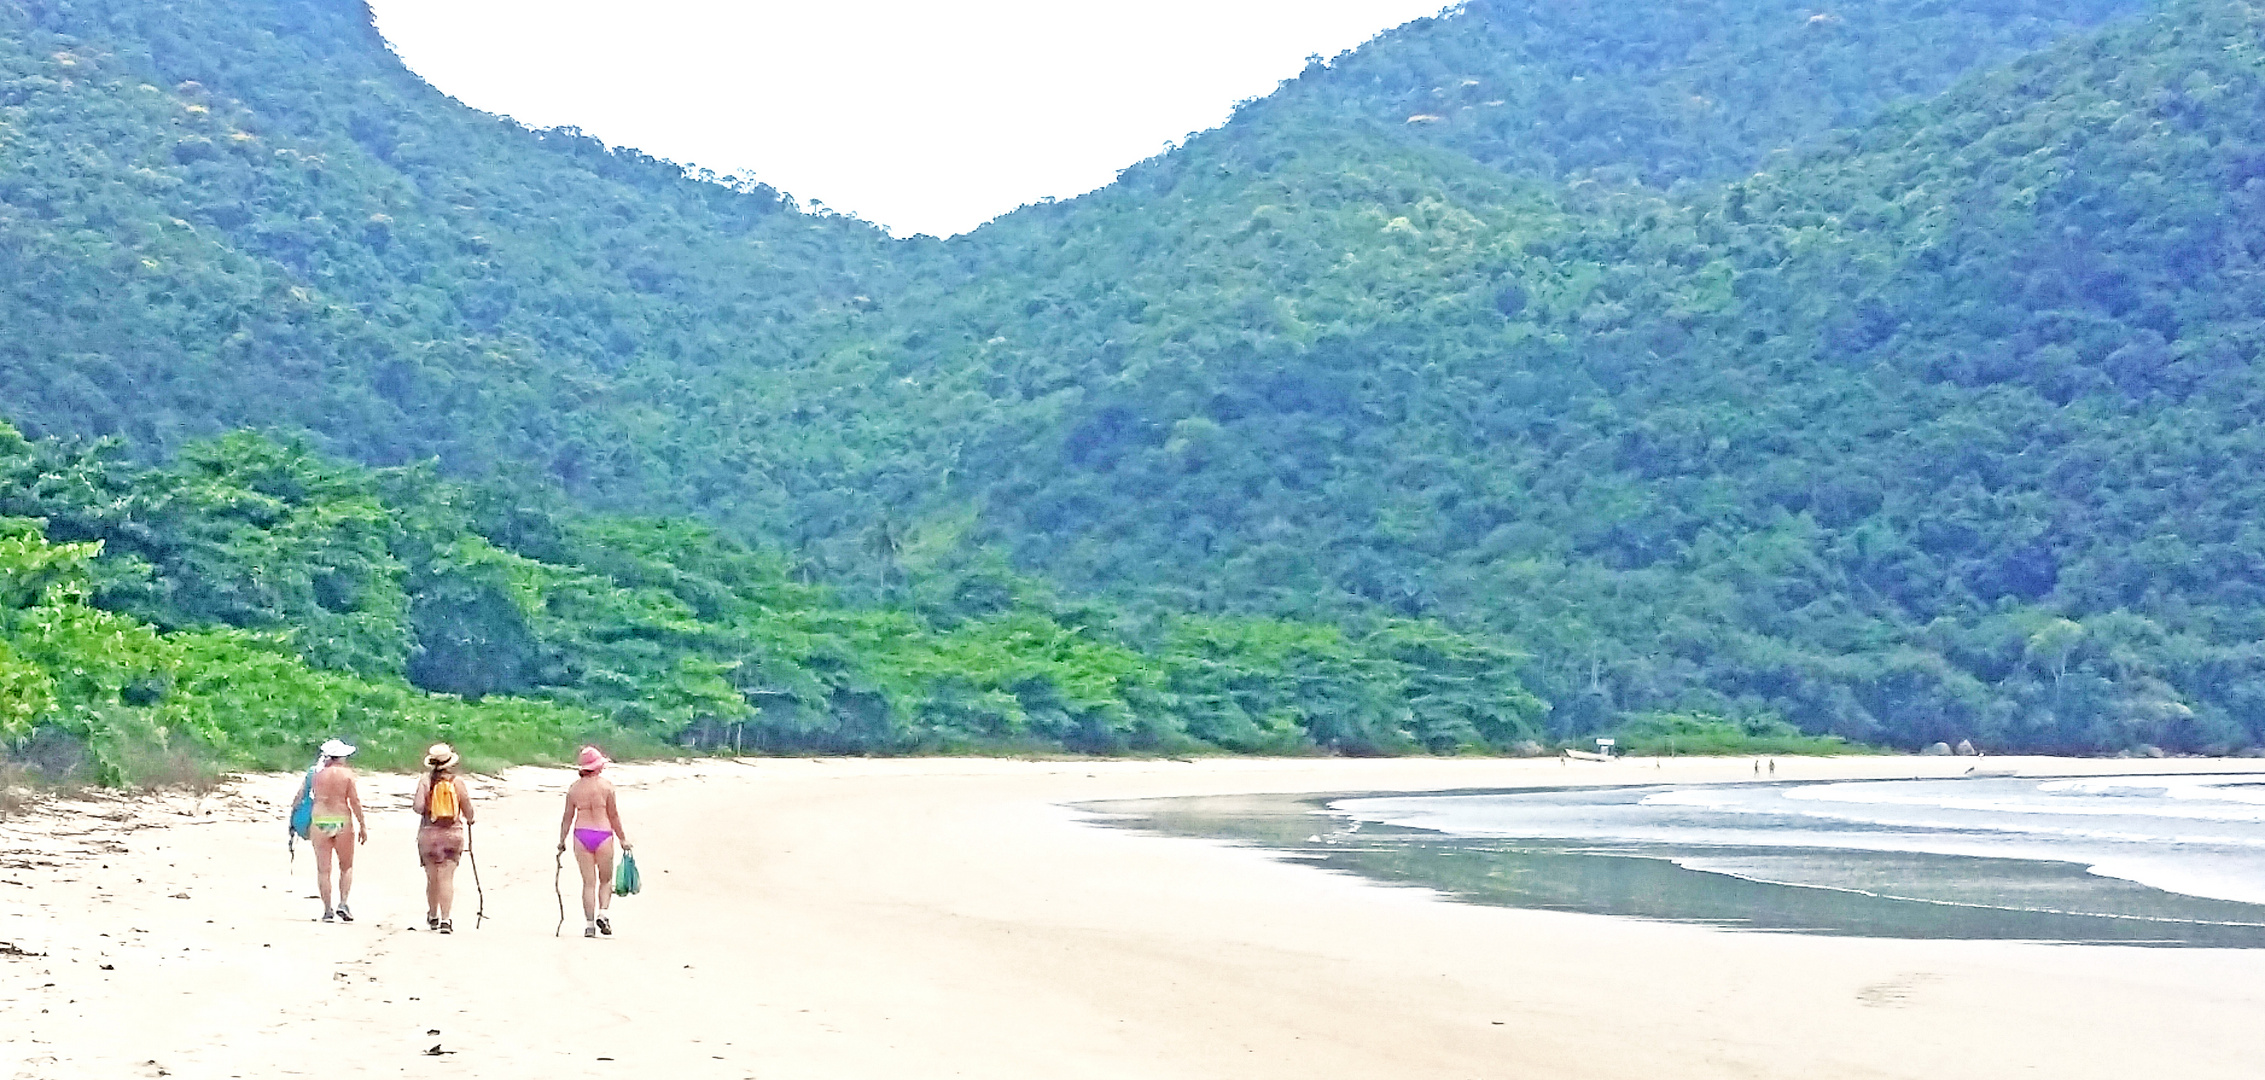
334,791
591,800
596,823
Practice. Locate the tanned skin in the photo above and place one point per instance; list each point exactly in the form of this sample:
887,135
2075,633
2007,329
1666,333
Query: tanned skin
439,847
590,805
335,795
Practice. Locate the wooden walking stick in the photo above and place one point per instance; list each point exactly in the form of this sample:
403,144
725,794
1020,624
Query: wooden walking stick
473,857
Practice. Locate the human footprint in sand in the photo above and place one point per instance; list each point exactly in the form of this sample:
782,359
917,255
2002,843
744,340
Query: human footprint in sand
595,823
338,826
444,811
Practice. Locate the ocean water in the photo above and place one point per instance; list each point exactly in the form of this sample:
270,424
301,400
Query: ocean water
2151,860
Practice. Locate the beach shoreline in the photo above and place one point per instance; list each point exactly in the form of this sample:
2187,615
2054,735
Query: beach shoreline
964,917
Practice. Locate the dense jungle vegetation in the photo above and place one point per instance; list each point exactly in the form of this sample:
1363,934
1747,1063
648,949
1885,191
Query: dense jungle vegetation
1887,371
251,595
1662,93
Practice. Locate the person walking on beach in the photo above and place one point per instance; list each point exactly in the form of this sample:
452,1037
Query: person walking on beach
337,826
595,823
444,810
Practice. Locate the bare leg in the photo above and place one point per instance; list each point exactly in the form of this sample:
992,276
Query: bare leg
345,845
444,887
587,862
432,891
323,845
604,859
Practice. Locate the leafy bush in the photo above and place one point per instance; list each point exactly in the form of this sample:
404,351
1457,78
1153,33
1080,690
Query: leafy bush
1671,733
135,699
212,635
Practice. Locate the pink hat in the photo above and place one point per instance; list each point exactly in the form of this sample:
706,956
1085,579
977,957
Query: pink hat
591,760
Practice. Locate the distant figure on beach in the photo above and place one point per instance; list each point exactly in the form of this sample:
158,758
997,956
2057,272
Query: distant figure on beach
338,825
444,810
1773,766
596,825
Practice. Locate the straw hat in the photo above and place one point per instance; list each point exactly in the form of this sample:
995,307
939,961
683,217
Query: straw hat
591,760
440,755
336,749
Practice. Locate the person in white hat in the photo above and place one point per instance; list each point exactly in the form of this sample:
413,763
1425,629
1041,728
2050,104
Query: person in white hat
338,826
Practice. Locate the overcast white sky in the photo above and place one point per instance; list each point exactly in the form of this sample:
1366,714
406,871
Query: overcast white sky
920,116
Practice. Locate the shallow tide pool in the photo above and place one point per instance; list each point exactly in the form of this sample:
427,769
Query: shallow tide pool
2171,861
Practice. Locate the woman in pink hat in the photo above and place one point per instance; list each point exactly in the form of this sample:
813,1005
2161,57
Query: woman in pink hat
595,824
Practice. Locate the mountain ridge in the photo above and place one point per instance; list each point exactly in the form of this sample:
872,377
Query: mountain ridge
1854,440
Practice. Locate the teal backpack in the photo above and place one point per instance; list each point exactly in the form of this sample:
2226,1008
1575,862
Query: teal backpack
302,814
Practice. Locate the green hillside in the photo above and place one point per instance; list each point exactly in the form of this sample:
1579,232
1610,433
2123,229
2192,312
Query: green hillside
252,596
1942,433
219,215
1662,93
1938,426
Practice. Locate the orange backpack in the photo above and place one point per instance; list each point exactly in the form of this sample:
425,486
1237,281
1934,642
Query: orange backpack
440,806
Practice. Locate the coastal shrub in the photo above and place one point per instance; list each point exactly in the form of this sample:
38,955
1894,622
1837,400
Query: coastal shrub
261,597
92,694
1698,733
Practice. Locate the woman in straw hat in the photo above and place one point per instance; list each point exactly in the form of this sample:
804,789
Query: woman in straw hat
595,823
444,808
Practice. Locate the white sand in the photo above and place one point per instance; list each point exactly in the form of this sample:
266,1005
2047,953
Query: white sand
939,918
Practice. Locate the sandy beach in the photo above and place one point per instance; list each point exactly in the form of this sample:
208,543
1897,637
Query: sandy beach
939,918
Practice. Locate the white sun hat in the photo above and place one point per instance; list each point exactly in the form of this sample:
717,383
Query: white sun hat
336,749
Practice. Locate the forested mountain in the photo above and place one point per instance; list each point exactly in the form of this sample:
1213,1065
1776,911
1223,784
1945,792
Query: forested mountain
1731,364
216,215
1659,93
1941,432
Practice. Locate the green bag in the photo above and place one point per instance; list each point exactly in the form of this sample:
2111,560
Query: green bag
625,881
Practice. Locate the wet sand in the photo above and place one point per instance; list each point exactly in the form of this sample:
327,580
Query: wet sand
937,918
